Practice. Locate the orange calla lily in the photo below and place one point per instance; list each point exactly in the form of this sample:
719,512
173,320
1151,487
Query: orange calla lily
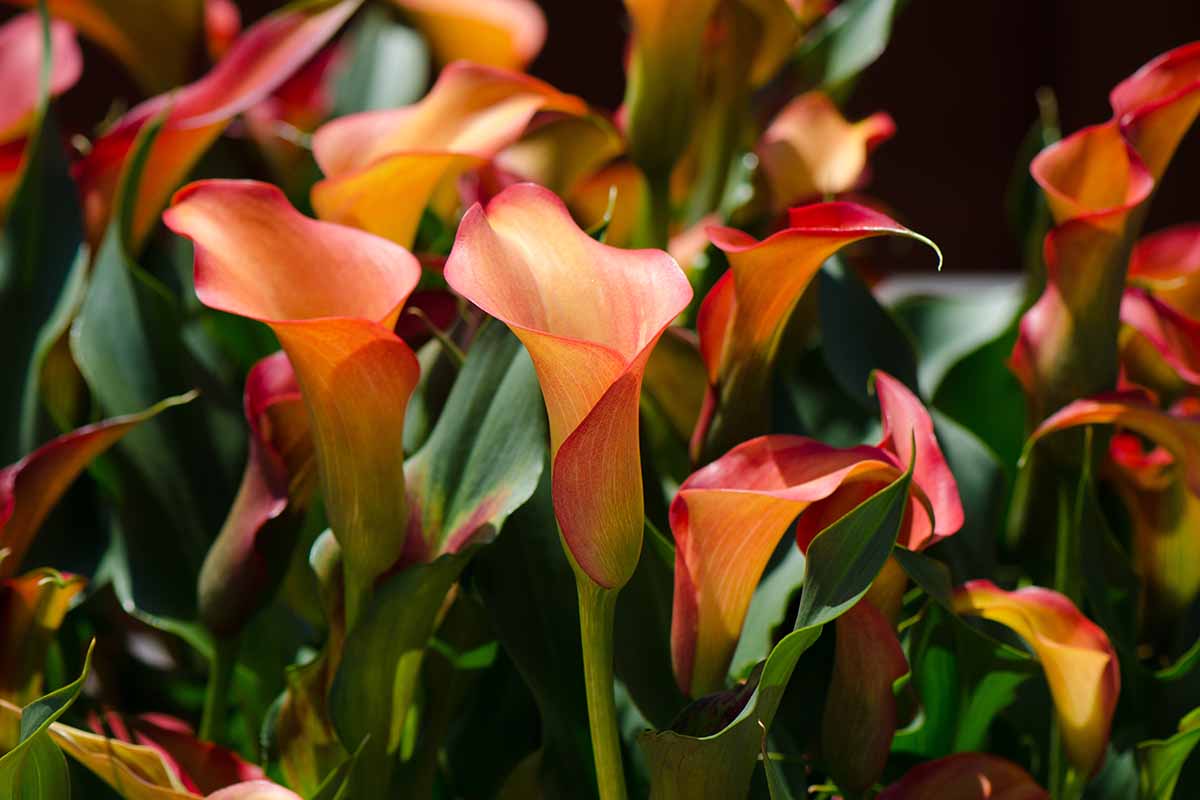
251,551
32,607
258,61
729,516
498,33
154,40
1167,263
1165,515
1096,183
966,776
1178,434
21,67
258,257
201,766
1174,336
742,319
589,314
811,151
384,167
1076,655
30,488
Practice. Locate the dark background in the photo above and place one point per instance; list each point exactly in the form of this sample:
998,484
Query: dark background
959,78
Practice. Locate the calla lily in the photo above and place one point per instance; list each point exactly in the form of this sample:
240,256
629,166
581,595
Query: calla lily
248,557
258,257
1178,434
200,766
384,167
729,517
155,41
743,317
589,315
1167,264
811,151
31,487
21,67
1174,336
966,776
32,608
1079,662
498,33
258,62
860,716
1160,488
1165,514
20,72
1096,183
134,771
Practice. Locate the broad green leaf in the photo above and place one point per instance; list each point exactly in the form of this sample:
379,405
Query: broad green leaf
127,341
848,40
642,636
714,745
487,450
981,394
983,488
388,65
40,247
768,608
859,335
376,681
35,769
1161,760
945,328
528,589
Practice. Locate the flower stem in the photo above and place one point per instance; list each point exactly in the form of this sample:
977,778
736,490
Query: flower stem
216,697
653,228
597,608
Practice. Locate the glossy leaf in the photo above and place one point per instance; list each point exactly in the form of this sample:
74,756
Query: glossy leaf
1160,761
846,41
483,459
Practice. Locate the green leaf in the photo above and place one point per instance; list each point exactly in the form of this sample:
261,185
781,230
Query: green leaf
642,635
983,488
528,589
945,328
173,488
859,335
1161,760
768,608
712,750
388,65
40,248
376,681
980,393
848,40
35,769
487,450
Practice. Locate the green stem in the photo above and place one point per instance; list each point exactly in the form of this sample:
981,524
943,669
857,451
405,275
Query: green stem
654,226
216,697
597,608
